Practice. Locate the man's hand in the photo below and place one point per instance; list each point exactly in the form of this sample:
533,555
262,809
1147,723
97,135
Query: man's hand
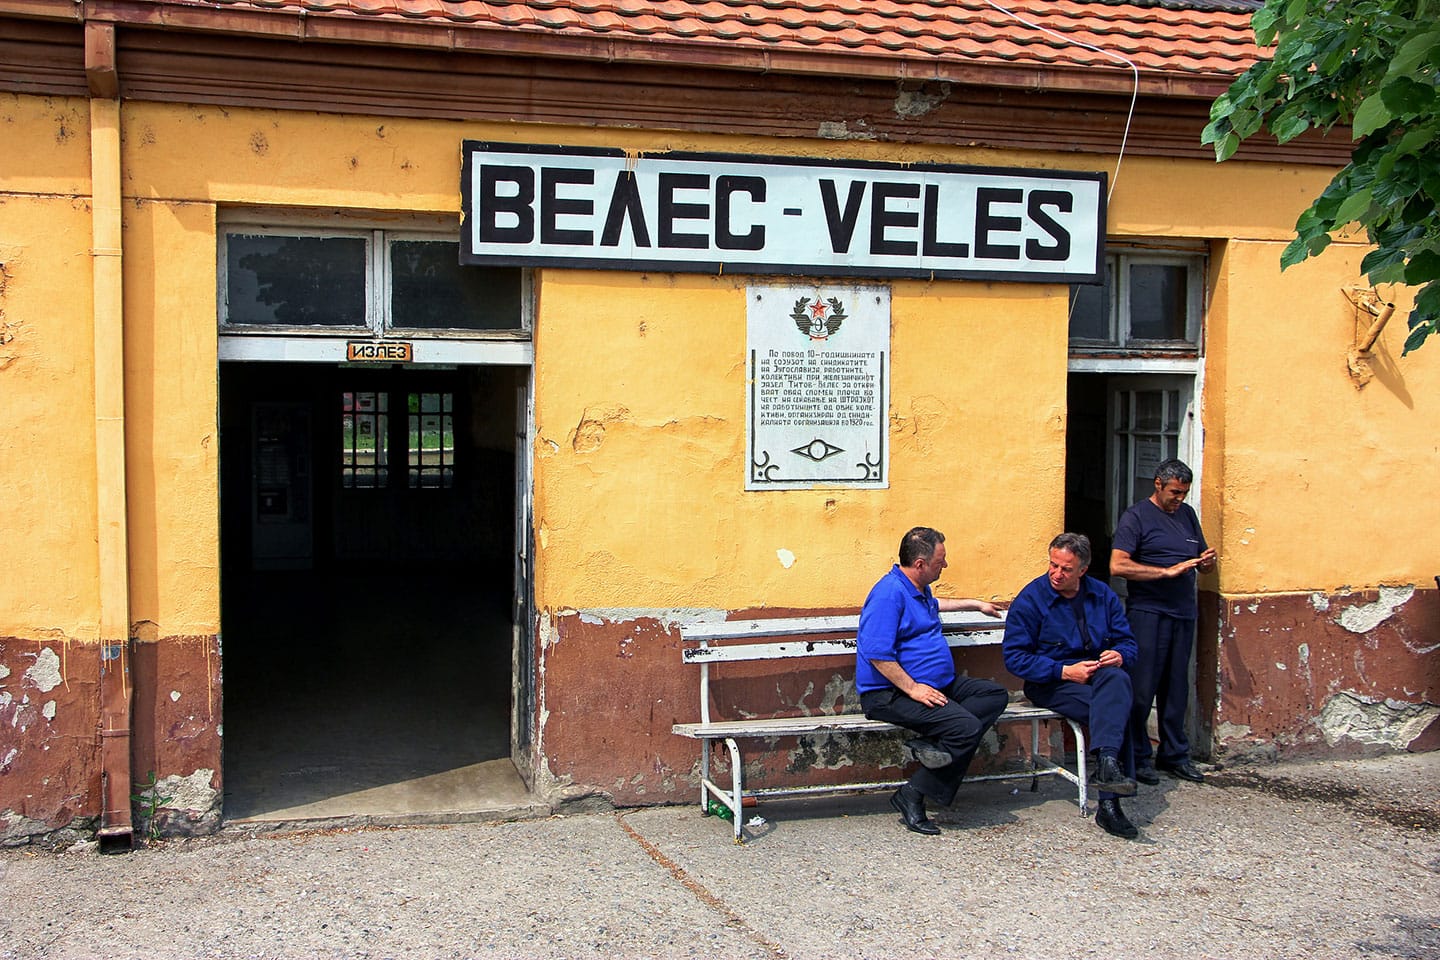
1081,672
952,604
919,692
1111,658
925,694
1121,565
1179,569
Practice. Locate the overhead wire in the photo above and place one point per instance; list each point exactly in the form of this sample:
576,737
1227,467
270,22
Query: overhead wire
1134,73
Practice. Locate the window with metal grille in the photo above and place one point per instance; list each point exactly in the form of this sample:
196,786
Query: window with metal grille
431,438
364,439
1147,429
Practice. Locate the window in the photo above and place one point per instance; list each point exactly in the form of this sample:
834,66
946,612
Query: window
1147,428
431,440
1150,302
364,439
386,282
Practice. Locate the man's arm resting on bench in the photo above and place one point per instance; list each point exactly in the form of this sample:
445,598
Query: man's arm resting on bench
954,604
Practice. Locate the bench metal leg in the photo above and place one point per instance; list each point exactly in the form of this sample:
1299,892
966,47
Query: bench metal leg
1034,754
736,796
733,797
1082,756
704,776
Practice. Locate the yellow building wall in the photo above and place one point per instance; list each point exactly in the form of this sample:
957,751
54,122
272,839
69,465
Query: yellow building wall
640,435
171,444
47,377
978,392
1322,478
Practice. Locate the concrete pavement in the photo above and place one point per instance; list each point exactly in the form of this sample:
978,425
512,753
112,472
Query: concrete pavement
1242,867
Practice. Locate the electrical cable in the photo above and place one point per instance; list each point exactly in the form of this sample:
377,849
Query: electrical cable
1134,72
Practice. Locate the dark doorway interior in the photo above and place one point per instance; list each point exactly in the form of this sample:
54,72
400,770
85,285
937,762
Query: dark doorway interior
367,523
1087,469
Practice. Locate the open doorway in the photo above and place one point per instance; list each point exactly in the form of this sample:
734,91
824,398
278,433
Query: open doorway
368,553
1121,426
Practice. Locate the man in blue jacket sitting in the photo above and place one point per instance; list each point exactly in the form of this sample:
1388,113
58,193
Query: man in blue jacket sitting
1067,637
905,674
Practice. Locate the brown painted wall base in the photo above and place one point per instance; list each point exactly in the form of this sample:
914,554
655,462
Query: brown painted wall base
1315,674
50,755
613,688
50,752
1292,675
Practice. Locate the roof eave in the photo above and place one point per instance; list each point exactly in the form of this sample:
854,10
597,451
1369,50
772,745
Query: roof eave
304,26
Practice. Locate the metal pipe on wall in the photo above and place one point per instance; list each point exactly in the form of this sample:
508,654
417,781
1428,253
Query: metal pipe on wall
116,833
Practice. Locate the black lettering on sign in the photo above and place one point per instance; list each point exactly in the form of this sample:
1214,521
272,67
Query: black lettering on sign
520,204
841,223
1062,201
725,188
882,217
987,223
554,206
671,210
625,202
931,247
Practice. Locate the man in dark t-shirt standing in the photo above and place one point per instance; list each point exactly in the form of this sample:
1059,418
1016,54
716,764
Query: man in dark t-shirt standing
1158,546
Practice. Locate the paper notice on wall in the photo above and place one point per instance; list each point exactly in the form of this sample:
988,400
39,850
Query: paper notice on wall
817,386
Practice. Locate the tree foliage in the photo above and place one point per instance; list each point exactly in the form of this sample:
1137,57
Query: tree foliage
1372,65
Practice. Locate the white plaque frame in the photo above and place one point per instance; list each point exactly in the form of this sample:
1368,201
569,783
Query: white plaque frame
817,396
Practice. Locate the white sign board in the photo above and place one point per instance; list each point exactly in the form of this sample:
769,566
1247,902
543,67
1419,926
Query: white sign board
817,386
529,205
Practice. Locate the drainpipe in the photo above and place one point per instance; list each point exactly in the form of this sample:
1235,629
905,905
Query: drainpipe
116,834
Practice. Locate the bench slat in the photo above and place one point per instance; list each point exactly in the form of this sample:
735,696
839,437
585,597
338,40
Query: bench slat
786,649
826,723
800,626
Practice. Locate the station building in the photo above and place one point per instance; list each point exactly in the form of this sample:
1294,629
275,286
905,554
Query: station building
385,380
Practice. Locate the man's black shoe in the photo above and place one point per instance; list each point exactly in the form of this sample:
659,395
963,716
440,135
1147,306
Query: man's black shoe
911,805
1110,778
1113,820
929,753
1185,770
1146,774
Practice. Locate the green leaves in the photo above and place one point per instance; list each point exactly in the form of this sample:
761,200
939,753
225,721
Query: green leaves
1375,65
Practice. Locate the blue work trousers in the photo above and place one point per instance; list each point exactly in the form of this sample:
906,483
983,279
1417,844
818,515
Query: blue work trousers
1161,676
957,726
1103,705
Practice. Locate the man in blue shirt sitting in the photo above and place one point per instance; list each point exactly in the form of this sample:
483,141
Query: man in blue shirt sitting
1067,637
905,675
1158,547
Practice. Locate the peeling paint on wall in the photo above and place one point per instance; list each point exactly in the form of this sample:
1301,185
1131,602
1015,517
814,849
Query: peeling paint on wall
1377,723
1365,618
787,559
45,674
668,617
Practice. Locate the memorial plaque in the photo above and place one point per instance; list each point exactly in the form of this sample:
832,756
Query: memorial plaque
818,386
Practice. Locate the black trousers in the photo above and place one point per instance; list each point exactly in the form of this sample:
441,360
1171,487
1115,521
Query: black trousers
957,726
1161,676
1103,705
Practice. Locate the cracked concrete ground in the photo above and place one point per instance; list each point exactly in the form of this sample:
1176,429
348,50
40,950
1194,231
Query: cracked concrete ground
1331,859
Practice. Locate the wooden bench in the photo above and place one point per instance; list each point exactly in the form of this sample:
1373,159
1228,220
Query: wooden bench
792,638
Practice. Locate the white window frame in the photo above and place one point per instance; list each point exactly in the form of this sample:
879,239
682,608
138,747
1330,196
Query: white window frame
1117,263
327,344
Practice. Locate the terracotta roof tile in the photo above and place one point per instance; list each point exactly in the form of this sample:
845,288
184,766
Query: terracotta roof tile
1195,37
